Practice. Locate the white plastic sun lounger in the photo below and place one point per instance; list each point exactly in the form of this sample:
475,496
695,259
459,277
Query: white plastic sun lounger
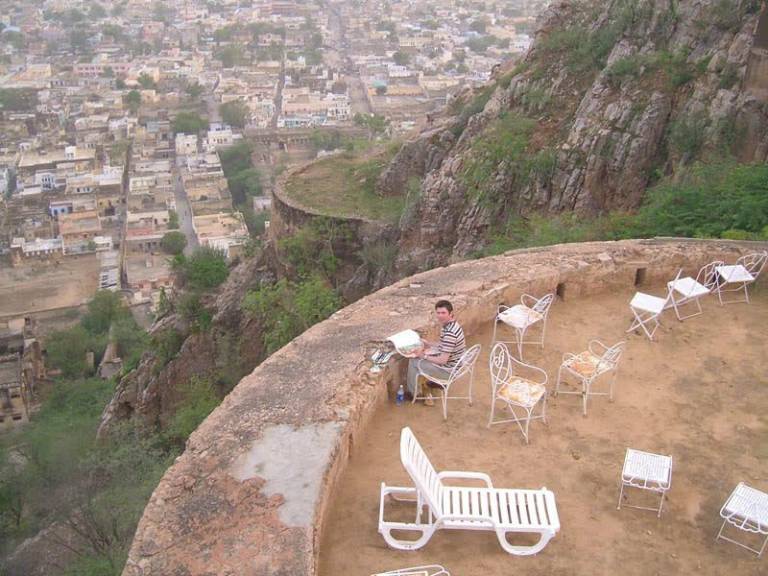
465,508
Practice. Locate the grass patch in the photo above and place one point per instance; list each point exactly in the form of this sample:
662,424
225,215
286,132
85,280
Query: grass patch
344,186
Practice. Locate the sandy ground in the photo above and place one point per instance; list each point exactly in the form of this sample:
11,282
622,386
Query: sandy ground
698,393
42,286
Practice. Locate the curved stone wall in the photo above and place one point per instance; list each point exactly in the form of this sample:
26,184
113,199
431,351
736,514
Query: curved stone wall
248,495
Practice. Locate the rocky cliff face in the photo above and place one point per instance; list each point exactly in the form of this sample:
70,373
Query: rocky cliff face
224,353
612,95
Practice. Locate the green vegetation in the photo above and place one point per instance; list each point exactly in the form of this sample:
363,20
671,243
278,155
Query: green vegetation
311,250
715,200
173,220
133,101
344,186
174,242
503,149
67,348
205,270
189,123
286,309
18,99
687,135
54,469
374,123
244,182
676,69
146,81
231,56
235,113
467,110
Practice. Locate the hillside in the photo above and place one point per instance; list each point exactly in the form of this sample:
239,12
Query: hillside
612,97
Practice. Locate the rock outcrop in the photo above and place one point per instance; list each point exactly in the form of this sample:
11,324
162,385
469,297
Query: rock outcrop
612,96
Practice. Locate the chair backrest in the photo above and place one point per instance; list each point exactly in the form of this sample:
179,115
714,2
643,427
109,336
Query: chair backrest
501,366
543,305
708,276
466,363
753,262
420,470
610,358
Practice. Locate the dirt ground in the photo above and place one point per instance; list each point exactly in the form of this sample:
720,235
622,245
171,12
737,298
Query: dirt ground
697,393
42,286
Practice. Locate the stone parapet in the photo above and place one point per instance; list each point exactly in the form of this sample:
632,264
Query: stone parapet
248,496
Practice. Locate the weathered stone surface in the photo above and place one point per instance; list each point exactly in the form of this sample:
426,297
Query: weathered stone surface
248,495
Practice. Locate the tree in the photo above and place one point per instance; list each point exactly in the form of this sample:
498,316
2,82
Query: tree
479,26
105,307
231,56
173,220
189,123
195,90
381,90
66,350
235,113
174,242
18,99
205,269
133,100
401,58
97,11
244,185
146,81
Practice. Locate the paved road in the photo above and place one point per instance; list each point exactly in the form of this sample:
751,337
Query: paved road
185,215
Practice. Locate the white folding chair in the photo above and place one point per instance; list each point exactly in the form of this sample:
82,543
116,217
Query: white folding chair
587,366
746,509
518,385
521,317
646,310
687,290
429,570
646,471
465,366
739,276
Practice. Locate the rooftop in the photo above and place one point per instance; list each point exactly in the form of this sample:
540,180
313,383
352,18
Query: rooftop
695,394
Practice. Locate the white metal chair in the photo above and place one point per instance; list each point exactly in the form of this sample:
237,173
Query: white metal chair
465,508
646,471
465,366
687,290
518,385
521,317
429,570
747,510
739,276
647,310
587,366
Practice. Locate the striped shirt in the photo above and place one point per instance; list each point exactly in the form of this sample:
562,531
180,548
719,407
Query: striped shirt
452,343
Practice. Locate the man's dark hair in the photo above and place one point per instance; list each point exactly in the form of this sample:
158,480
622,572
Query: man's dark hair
444,304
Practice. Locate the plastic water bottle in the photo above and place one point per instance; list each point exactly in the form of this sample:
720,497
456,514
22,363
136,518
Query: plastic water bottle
400,396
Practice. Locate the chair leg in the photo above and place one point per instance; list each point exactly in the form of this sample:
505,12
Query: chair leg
621,493
527,423
559,376
495,324
520,338
611,384
444,396
471,381
493,407
585,393
661,504
544,409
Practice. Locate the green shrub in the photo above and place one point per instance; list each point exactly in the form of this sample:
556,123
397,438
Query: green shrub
501,147
66,350
629,66
193,311
729,75
200,399
189,123
103,309
166,345
173,242
708,200
687,135
205,269
285,309
378,256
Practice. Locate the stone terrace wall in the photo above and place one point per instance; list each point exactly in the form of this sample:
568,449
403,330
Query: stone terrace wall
248,495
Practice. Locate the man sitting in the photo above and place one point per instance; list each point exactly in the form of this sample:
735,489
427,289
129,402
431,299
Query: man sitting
438,358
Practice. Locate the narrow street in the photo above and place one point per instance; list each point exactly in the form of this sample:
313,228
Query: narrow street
185,214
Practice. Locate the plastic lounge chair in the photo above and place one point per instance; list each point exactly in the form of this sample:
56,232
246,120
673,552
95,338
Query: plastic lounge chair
429,570
521,317
588,366
747,510
465,366
646,310
687,290
646,471
519,386
739,276
465,508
